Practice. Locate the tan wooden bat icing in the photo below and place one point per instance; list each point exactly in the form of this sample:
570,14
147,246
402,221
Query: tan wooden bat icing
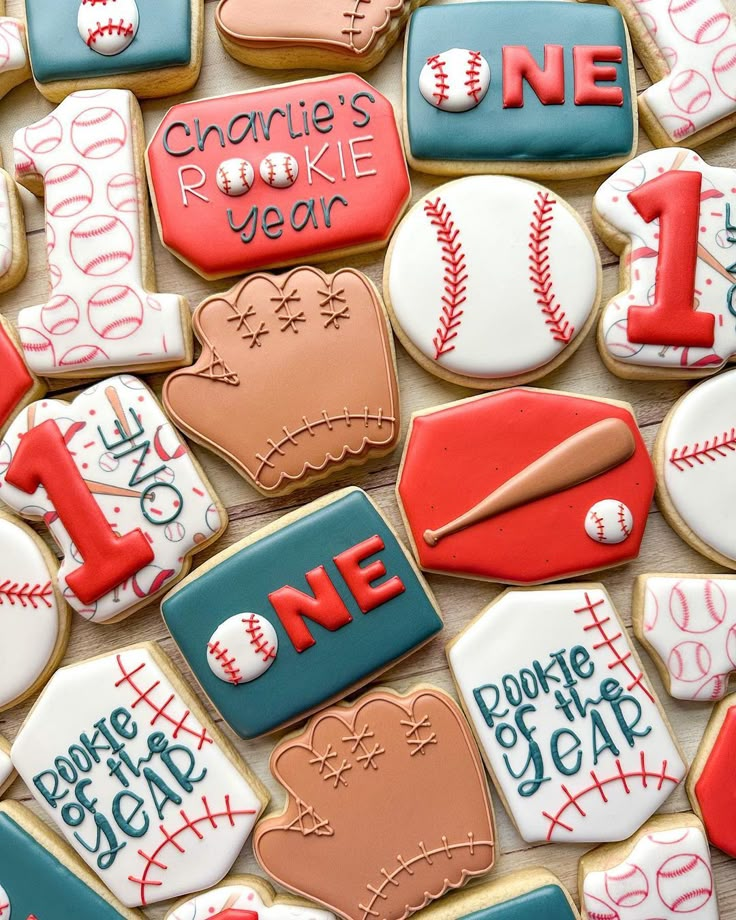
101,488
583,456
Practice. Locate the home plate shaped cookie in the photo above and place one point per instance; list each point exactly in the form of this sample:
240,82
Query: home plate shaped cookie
663,871
121,756
572,733
687,623
525,486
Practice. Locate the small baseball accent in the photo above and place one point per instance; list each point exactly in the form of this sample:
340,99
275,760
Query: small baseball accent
677,126
175,532
689,661
693,21
98,133
242,648
42,137
456,80
698,606
279,170
629,177
617,341
108,462
627,885
115,312
108,26
34,342
82,354
101,245
68,190
690,92
60,315
122,192
235,177
685,883
599,910
609,521
724,70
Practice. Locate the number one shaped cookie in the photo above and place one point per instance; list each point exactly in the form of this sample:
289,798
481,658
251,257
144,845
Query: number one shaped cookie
101,313
14,65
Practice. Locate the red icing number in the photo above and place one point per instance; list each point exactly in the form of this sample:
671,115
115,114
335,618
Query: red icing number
674,198
42,459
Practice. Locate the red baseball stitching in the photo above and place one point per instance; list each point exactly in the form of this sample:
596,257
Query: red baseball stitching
224,179
271,171
454,278
473,75
621,776
26,595
622,519
220,653
441,84
159,712
287,168
170,838
253,628
109,28
243,173
598,521
540,273
687,457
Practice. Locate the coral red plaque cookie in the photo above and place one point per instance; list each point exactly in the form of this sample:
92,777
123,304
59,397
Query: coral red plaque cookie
525,486
386,758
347,192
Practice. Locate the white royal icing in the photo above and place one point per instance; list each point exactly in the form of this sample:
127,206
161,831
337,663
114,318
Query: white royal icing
177,803
456,80
667,875
182,511
691,625
107,26
714,289
98,313
242,648
242,897
592,796
6,771
491,276
29,613
12,45
699,460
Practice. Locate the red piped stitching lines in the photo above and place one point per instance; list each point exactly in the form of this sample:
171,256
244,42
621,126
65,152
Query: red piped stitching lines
600,529
271,171
540,274
224,179
288,170
255,634
619,660
228,665
171,838
473,75
441,84
160,712
621,514
454,279
109,28
598,785
686,458
26,595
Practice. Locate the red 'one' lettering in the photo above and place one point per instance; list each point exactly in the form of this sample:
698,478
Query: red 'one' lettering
360,580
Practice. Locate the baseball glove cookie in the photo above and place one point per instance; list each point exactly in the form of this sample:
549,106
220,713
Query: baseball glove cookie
267,346
388,760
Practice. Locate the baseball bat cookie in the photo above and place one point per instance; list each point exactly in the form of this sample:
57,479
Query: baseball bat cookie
487,301
289,328
14,64
566,770
538,91
688,49
663,870
151,47
329,35
238,895
7,771
668,215
538,465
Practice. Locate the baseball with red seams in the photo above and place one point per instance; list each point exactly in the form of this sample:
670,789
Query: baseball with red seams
696,21
60,315
279,170
101,245
68,190
609,521
599,910
235,177
242,648
697,606
689,661
627,885
684,883
456,80
107,26
115,312
98,133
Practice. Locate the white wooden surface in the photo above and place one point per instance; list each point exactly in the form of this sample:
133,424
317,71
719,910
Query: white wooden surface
460,600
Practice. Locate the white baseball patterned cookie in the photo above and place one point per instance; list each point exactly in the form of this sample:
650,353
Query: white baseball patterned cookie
571,731
242,648
696,475
687,623
14,65
102,313
153,832
13,246
108,26
246,896
663,871
491,280
120,492
456,80
7,775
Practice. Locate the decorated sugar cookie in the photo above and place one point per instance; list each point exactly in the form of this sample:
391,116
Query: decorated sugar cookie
7,771
525,486
41,877
246,894
696,476
14,66
19,386
350,181
330,35
669,216
306,610
289,328
101,313
34,618
687,623
151,47
486,302
342,769
122,496
150,833
663,871
13,245
517,87
572,733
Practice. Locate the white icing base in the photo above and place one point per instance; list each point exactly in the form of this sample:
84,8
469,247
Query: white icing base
456,80
241,897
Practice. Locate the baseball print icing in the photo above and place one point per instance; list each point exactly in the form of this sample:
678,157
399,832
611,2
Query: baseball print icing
384,755
307,610
544,82
238,899
289,328
118,490
710,783
14,66
13,246
571,730
107,26
688,624
502,486
695,470
137,783
99,314
675,315
351,186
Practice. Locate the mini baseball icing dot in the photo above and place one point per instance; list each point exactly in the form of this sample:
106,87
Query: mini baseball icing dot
108,27
609,521
456,80
279,170
235,177
242,648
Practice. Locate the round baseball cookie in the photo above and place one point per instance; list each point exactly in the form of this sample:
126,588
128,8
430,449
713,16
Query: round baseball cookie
696,475
491,281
